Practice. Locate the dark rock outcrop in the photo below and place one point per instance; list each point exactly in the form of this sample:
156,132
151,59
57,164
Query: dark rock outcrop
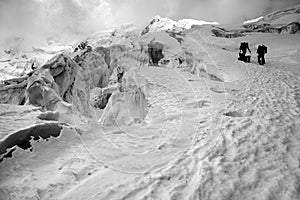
177,36
226,34
155,52
291,28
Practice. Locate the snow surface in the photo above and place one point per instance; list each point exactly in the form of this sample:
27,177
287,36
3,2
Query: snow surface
216,129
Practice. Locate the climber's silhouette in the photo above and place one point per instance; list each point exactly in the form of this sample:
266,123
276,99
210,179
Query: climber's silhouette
243,50
261,51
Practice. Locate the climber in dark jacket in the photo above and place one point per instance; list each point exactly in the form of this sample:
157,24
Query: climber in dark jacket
261,51
243,50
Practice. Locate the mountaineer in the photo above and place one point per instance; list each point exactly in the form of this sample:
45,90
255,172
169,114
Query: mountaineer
243,50
261,51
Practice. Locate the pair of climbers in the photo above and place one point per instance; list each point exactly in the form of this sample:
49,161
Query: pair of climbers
261,51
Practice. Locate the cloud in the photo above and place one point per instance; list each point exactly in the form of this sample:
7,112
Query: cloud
80,17
45,18
223,11
227,11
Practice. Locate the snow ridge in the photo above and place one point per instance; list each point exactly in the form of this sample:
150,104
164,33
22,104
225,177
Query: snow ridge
159,23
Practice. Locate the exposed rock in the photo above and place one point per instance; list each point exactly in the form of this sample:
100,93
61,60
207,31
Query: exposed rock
155,52
255,26
291,28
146,30
226,34
177,36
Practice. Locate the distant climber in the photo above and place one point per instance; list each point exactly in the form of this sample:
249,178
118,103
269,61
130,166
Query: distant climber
243,50
261,51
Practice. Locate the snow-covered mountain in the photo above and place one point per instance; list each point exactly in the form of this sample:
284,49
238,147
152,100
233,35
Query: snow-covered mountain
159,23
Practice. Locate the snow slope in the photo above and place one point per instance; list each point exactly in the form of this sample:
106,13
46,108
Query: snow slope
215,128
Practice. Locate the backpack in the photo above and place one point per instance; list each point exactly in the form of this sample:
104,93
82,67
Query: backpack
265,49
258,49
244,45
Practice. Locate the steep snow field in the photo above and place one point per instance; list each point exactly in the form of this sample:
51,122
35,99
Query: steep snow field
214,128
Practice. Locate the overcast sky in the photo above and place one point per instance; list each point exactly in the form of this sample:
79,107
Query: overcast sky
46,17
